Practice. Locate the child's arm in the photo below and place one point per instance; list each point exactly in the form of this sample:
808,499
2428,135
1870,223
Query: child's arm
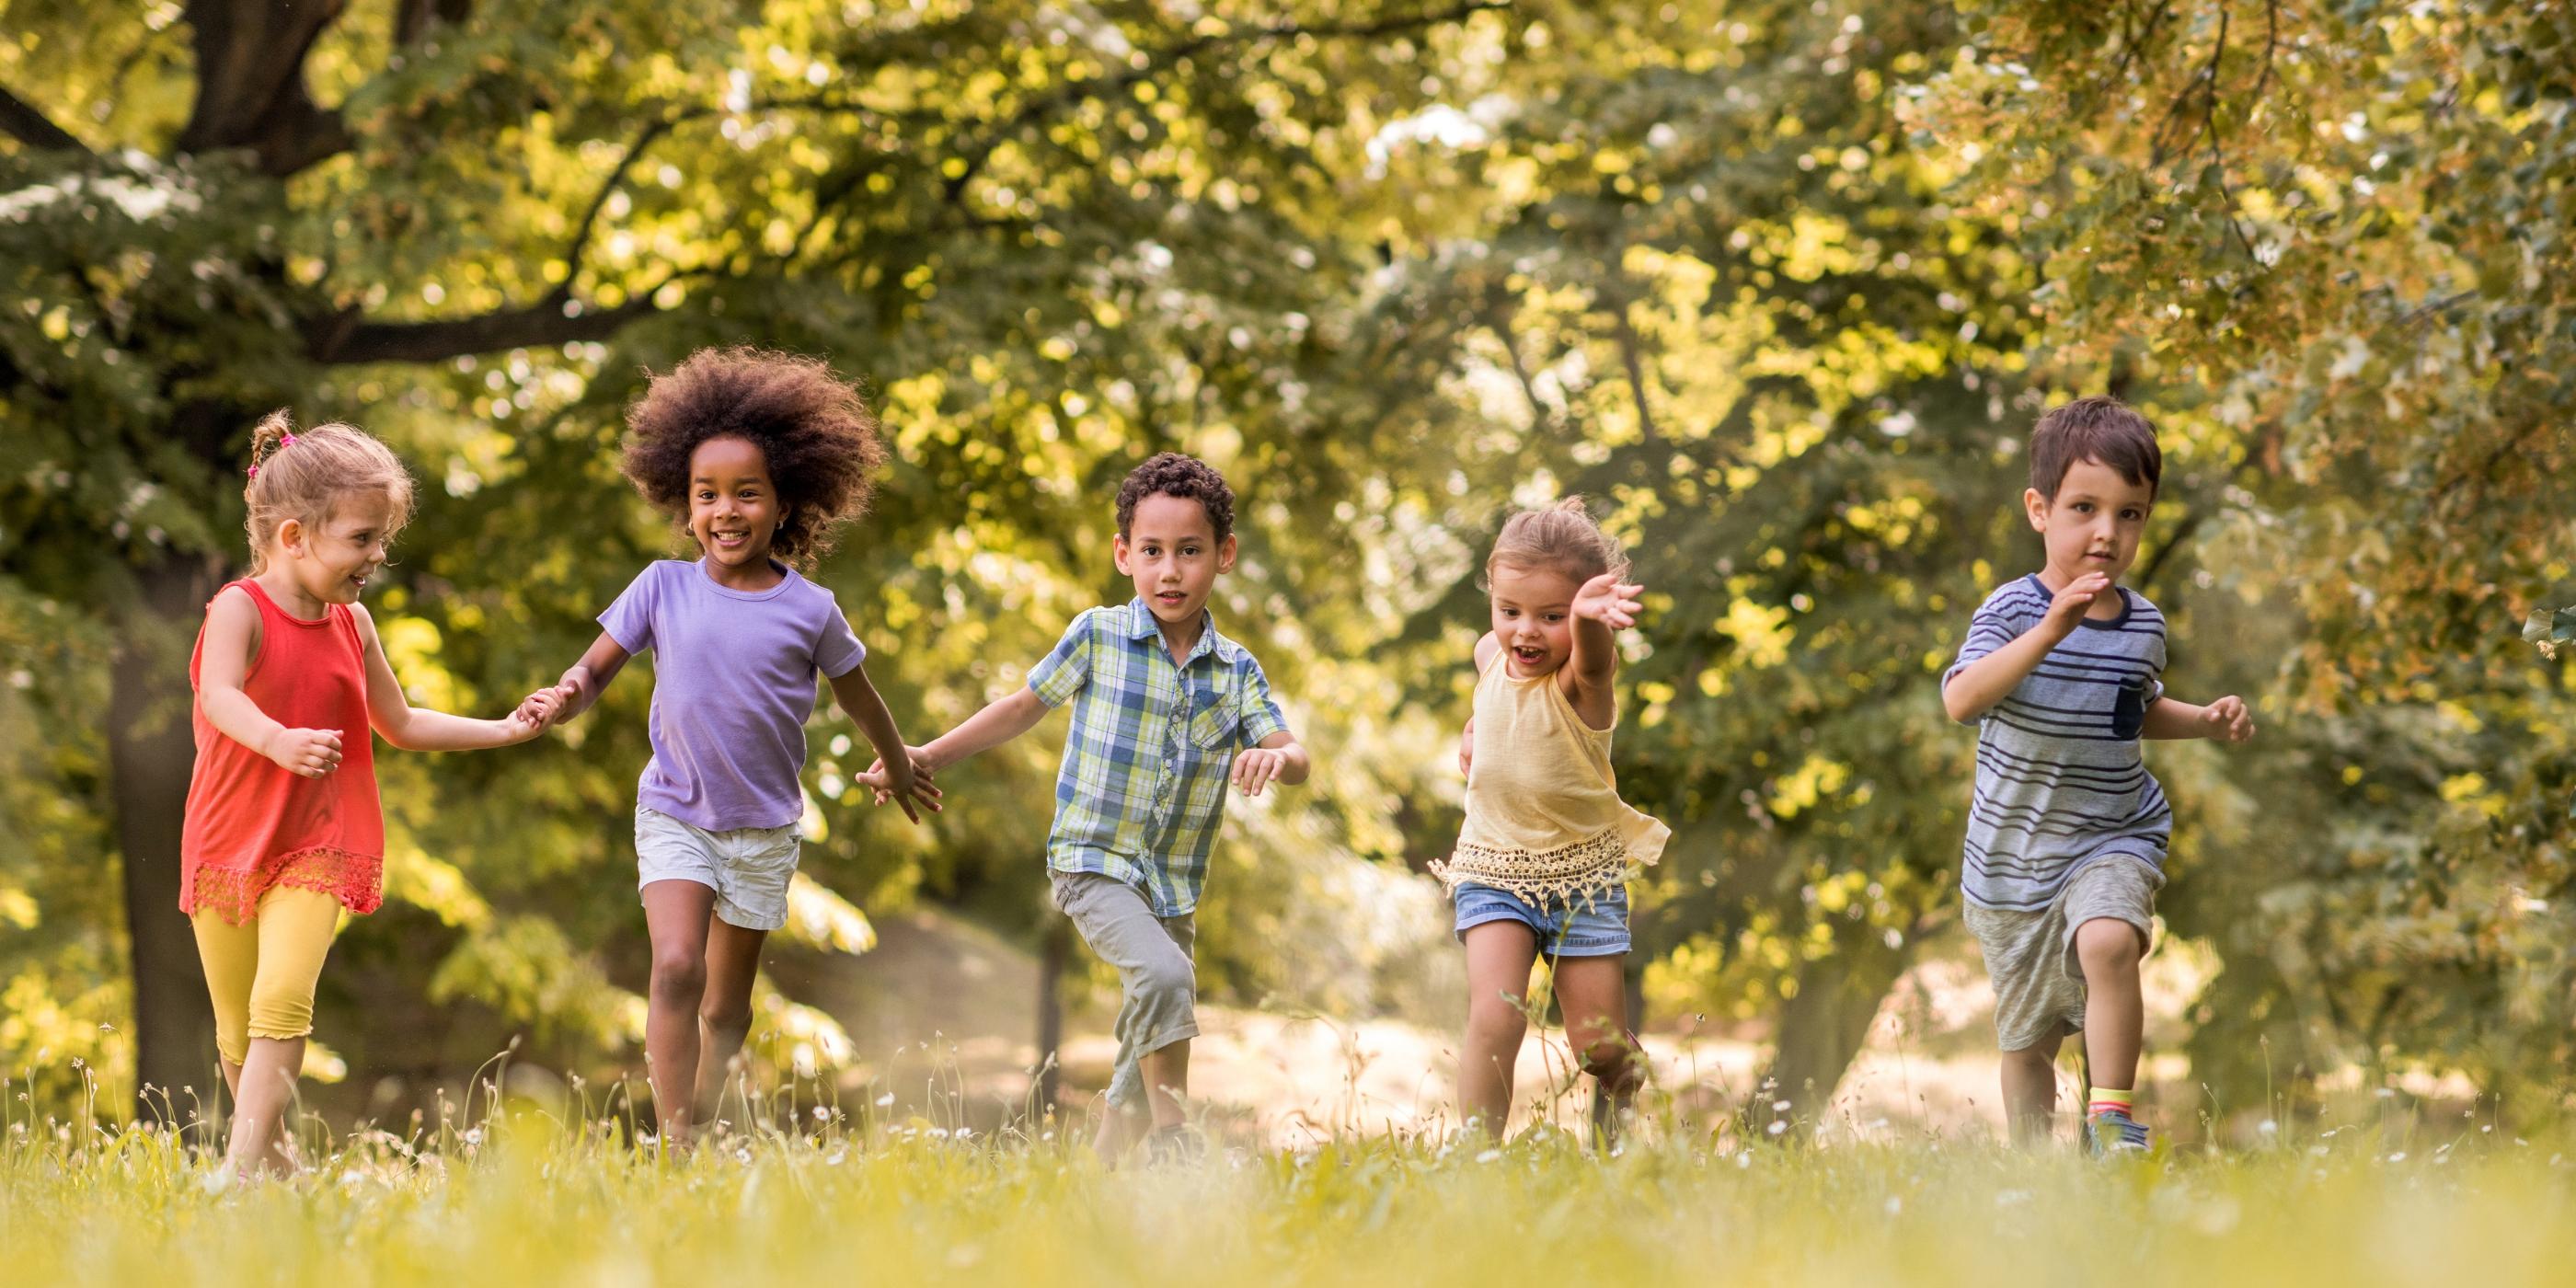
1279,758
1979,685
1604,605
1001,720
896,772
586,679
232,631
2227,720
419,729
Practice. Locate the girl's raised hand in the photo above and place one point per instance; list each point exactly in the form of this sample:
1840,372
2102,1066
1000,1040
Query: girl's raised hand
1610,601
310,753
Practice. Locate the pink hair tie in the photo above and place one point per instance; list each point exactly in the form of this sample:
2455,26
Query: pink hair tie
287,441
254,471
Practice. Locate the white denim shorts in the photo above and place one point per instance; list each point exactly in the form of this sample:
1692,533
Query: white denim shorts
748,868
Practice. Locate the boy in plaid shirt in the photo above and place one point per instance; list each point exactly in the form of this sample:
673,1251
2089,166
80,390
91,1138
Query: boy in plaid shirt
1166,713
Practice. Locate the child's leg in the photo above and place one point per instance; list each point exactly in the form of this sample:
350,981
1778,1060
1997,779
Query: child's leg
230,955
1592,992
295,929
2115,1008
724,1013
676,913
2030,1089
1499,957
1158,1007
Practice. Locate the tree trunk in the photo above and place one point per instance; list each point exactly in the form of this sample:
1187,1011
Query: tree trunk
150,754
1827,1023
1055,952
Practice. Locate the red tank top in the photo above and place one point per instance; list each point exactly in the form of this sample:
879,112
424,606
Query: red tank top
252,825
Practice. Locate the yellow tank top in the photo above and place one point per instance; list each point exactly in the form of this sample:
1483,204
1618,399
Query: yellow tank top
1544,818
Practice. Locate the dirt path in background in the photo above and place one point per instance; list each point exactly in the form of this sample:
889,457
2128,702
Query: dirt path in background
943,1015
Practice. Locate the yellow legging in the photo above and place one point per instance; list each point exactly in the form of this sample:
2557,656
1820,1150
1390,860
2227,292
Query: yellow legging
261,973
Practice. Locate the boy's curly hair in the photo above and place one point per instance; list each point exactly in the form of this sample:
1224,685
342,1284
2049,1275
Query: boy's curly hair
1187,477
817,433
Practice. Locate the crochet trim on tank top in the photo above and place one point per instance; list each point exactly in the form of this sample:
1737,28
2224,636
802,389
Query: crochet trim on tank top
1590,864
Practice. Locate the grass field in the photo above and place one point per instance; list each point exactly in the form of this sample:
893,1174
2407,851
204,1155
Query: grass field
532,1198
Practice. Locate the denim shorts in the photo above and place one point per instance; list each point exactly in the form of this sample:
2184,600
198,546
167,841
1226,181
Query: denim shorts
1593,924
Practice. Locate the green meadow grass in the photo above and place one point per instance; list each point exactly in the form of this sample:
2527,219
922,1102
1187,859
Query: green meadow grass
528,1197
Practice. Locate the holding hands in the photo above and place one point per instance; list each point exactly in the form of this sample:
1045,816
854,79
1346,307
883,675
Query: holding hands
535,713
909,785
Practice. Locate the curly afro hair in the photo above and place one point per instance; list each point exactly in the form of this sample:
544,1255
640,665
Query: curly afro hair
1187,477
817,433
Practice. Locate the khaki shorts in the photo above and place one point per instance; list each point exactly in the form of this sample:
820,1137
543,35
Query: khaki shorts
2030,956
748,868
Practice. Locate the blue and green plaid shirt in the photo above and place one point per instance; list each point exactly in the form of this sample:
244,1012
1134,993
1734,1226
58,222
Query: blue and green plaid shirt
1144,778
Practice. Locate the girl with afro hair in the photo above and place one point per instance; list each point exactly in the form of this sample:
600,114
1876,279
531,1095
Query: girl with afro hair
759,458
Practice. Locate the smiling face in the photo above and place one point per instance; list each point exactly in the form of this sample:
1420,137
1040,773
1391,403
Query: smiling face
1171,551
331,561
2093,523
733,505
1533,617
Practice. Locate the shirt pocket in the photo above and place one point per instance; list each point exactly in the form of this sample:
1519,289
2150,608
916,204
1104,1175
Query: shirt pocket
1217,722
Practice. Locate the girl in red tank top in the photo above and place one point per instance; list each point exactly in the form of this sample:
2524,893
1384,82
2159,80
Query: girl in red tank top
283,828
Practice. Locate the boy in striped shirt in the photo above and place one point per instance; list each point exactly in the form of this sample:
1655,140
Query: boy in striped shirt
2062,672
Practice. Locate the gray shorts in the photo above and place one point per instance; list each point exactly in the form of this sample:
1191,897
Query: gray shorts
1157,982
2030,956
749,868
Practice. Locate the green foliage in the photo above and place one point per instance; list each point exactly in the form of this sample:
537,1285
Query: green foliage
1780,285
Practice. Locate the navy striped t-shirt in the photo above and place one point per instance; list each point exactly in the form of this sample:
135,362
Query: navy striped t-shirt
2060,782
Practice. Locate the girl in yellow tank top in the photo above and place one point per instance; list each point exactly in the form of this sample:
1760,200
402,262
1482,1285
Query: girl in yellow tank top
1543,859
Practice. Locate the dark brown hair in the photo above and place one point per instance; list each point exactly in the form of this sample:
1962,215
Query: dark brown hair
304,476
815,432
1187,477
2099,428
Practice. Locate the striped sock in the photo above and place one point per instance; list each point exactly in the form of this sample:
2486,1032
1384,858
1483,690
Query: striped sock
2105,1099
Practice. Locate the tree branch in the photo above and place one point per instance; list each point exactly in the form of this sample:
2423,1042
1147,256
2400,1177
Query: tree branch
27,125
977,154
250,83
344,339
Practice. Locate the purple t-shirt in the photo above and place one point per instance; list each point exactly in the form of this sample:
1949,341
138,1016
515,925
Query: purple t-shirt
733,682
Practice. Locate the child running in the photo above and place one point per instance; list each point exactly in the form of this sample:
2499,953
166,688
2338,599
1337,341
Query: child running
1544,856
1166,712
758,457
2063,673
283,829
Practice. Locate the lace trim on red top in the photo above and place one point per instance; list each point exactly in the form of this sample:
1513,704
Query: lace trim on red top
356,880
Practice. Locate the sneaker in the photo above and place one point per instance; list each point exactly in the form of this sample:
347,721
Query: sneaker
2113,1131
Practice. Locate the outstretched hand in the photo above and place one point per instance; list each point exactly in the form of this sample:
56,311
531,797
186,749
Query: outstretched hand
1610,601
1255,767
2227,720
